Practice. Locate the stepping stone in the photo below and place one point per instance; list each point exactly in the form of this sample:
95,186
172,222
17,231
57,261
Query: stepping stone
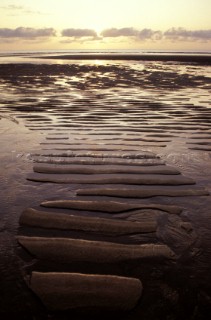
74,250
65,291
42,219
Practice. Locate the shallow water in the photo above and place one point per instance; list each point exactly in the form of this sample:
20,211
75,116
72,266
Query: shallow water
163,108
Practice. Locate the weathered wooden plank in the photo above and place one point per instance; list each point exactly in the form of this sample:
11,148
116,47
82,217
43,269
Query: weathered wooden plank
108,206
35,218
103,161
64,291
77,169
98,154
137,193
69,250
127,179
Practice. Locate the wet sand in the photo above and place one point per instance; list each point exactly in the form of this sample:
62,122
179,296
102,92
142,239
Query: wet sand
106,171
190,58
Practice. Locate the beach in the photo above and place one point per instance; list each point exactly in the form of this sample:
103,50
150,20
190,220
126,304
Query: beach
106,174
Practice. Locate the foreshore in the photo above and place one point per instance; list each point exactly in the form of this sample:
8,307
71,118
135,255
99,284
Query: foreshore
204,59
107,175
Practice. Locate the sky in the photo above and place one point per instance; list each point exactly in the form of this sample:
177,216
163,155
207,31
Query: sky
105,24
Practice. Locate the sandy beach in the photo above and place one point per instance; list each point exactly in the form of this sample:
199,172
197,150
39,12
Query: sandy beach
106,181
204,59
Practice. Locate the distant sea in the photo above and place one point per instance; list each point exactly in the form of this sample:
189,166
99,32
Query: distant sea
36,56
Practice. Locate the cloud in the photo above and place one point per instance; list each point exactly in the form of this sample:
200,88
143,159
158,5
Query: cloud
183,34
145,34
122,32
16,10
27,33
118,34
177,34
149,34
79,33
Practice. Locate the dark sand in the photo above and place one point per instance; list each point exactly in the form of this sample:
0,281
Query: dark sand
124,151
190,58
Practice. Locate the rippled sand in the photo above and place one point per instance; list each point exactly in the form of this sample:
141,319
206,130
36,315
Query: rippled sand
126,141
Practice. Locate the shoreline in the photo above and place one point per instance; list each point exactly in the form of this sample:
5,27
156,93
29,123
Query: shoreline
201,59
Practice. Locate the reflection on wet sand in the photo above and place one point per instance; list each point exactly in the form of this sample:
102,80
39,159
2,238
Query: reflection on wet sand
124,151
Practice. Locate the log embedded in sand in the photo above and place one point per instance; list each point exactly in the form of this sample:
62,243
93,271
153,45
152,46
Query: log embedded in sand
108,206
96,147
34,218
65,291
127,179
90,161
67,250
203,143
202,148
136,193
105,143
98,154
76,169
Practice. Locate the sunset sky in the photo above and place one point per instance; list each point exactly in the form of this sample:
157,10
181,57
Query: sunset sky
105,24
